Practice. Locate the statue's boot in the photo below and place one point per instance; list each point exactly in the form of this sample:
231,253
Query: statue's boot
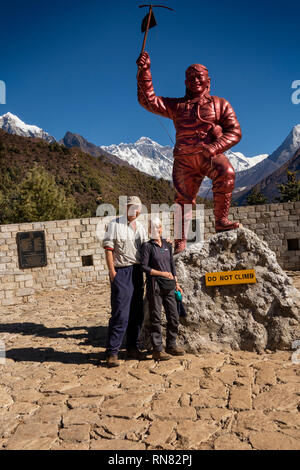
182,220
180,246
222,204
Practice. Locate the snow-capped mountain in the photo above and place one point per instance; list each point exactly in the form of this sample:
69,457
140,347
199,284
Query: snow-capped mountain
145,155
241,163
13,125
157,160
284,153
269,186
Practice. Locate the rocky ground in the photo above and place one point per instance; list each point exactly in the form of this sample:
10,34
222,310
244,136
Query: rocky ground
54,393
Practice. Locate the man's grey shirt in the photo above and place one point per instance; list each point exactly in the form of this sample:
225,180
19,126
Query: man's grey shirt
125,242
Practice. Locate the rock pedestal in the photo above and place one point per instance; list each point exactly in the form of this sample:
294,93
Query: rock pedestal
250,317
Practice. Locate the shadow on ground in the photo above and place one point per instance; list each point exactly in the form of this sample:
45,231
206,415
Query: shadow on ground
51,355
94,336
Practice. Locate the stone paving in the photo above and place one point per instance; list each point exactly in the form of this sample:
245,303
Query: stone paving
56,393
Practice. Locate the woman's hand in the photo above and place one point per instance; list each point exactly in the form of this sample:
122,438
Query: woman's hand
167,275
178,288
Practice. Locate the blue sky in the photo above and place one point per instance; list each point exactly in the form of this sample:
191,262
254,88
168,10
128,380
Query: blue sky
69,65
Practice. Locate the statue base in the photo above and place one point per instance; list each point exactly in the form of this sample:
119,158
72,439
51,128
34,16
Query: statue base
248,317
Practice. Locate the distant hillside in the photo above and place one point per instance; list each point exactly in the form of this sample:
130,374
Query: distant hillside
269,185
71,140
88,179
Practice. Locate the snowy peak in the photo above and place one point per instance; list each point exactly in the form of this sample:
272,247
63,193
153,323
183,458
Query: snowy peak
240,162
145,155
288,148
296,135
14,125
282,155
145,140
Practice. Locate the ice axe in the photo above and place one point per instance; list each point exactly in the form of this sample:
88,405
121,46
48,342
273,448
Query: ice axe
149,21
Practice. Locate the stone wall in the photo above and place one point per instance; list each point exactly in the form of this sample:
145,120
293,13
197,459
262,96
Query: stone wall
68,241
277,224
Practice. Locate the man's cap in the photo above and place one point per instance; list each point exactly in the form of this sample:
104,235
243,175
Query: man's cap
133,200
197,67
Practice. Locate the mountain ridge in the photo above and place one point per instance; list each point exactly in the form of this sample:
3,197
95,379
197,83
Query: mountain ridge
89,180
154,159
279,157
269,185
14,125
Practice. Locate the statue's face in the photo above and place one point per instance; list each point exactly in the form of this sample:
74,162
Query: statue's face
197,81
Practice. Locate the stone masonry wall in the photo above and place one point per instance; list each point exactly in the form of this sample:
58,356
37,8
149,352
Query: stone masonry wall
68,241
274,223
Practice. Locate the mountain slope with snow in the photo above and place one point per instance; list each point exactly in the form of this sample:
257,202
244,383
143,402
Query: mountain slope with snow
269,185
278,158
13,125
154,159
145,155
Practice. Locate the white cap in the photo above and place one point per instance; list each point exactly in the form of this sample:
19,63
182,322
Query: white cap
134,200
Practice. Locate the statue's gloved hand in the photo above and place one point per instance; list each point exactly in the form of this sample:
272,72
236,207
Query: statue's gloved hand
216,132
144,61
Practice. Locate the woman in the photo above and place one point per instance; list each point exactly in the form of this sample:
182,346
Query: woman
157,262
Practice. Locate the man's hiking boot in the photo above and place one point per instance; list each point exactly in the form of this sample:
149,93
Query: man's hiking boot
112,361
136,354
160,356
175,351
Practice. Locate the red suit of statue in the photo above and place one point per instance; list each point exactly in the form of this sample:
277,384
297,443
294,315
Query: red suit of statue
206,126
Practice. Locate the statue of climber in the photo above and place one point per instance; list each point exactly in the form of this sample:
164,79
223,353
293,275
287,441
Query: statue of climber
206,126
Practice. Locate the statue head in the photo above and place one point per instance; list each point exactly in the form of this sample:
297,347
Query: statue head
197,80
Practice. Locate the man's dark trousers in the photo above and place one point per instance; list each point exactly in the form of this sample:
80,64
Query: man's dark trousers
127,309
158,298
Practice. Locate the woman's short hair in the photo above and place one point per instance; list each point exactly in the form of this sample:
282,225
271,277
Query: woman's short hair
155,222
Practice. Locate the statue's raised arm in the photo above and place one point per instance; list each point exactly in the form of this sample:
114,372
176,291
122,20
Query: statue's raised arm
146,94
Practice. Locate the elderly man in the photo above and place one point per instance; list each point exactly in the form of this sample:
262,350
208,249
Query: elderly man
206,126
122,243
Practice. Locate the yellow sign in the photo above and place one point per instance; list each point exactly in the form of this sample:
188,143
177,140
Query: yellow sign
230,277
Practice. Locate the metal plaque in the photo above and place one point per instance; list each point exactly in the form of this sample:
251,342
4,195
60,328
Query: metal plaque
32,249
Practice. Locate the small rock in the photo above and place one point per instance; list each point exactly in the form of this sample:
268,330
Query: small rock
79,433
5,398
192,434
273,441
230,442
160,433
240,398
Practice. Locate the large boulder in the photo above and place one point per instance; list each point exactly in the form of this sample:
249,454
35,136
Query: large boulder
250,317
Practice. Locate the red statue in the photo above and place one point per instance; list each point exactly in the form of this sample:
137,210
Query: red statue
206,126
